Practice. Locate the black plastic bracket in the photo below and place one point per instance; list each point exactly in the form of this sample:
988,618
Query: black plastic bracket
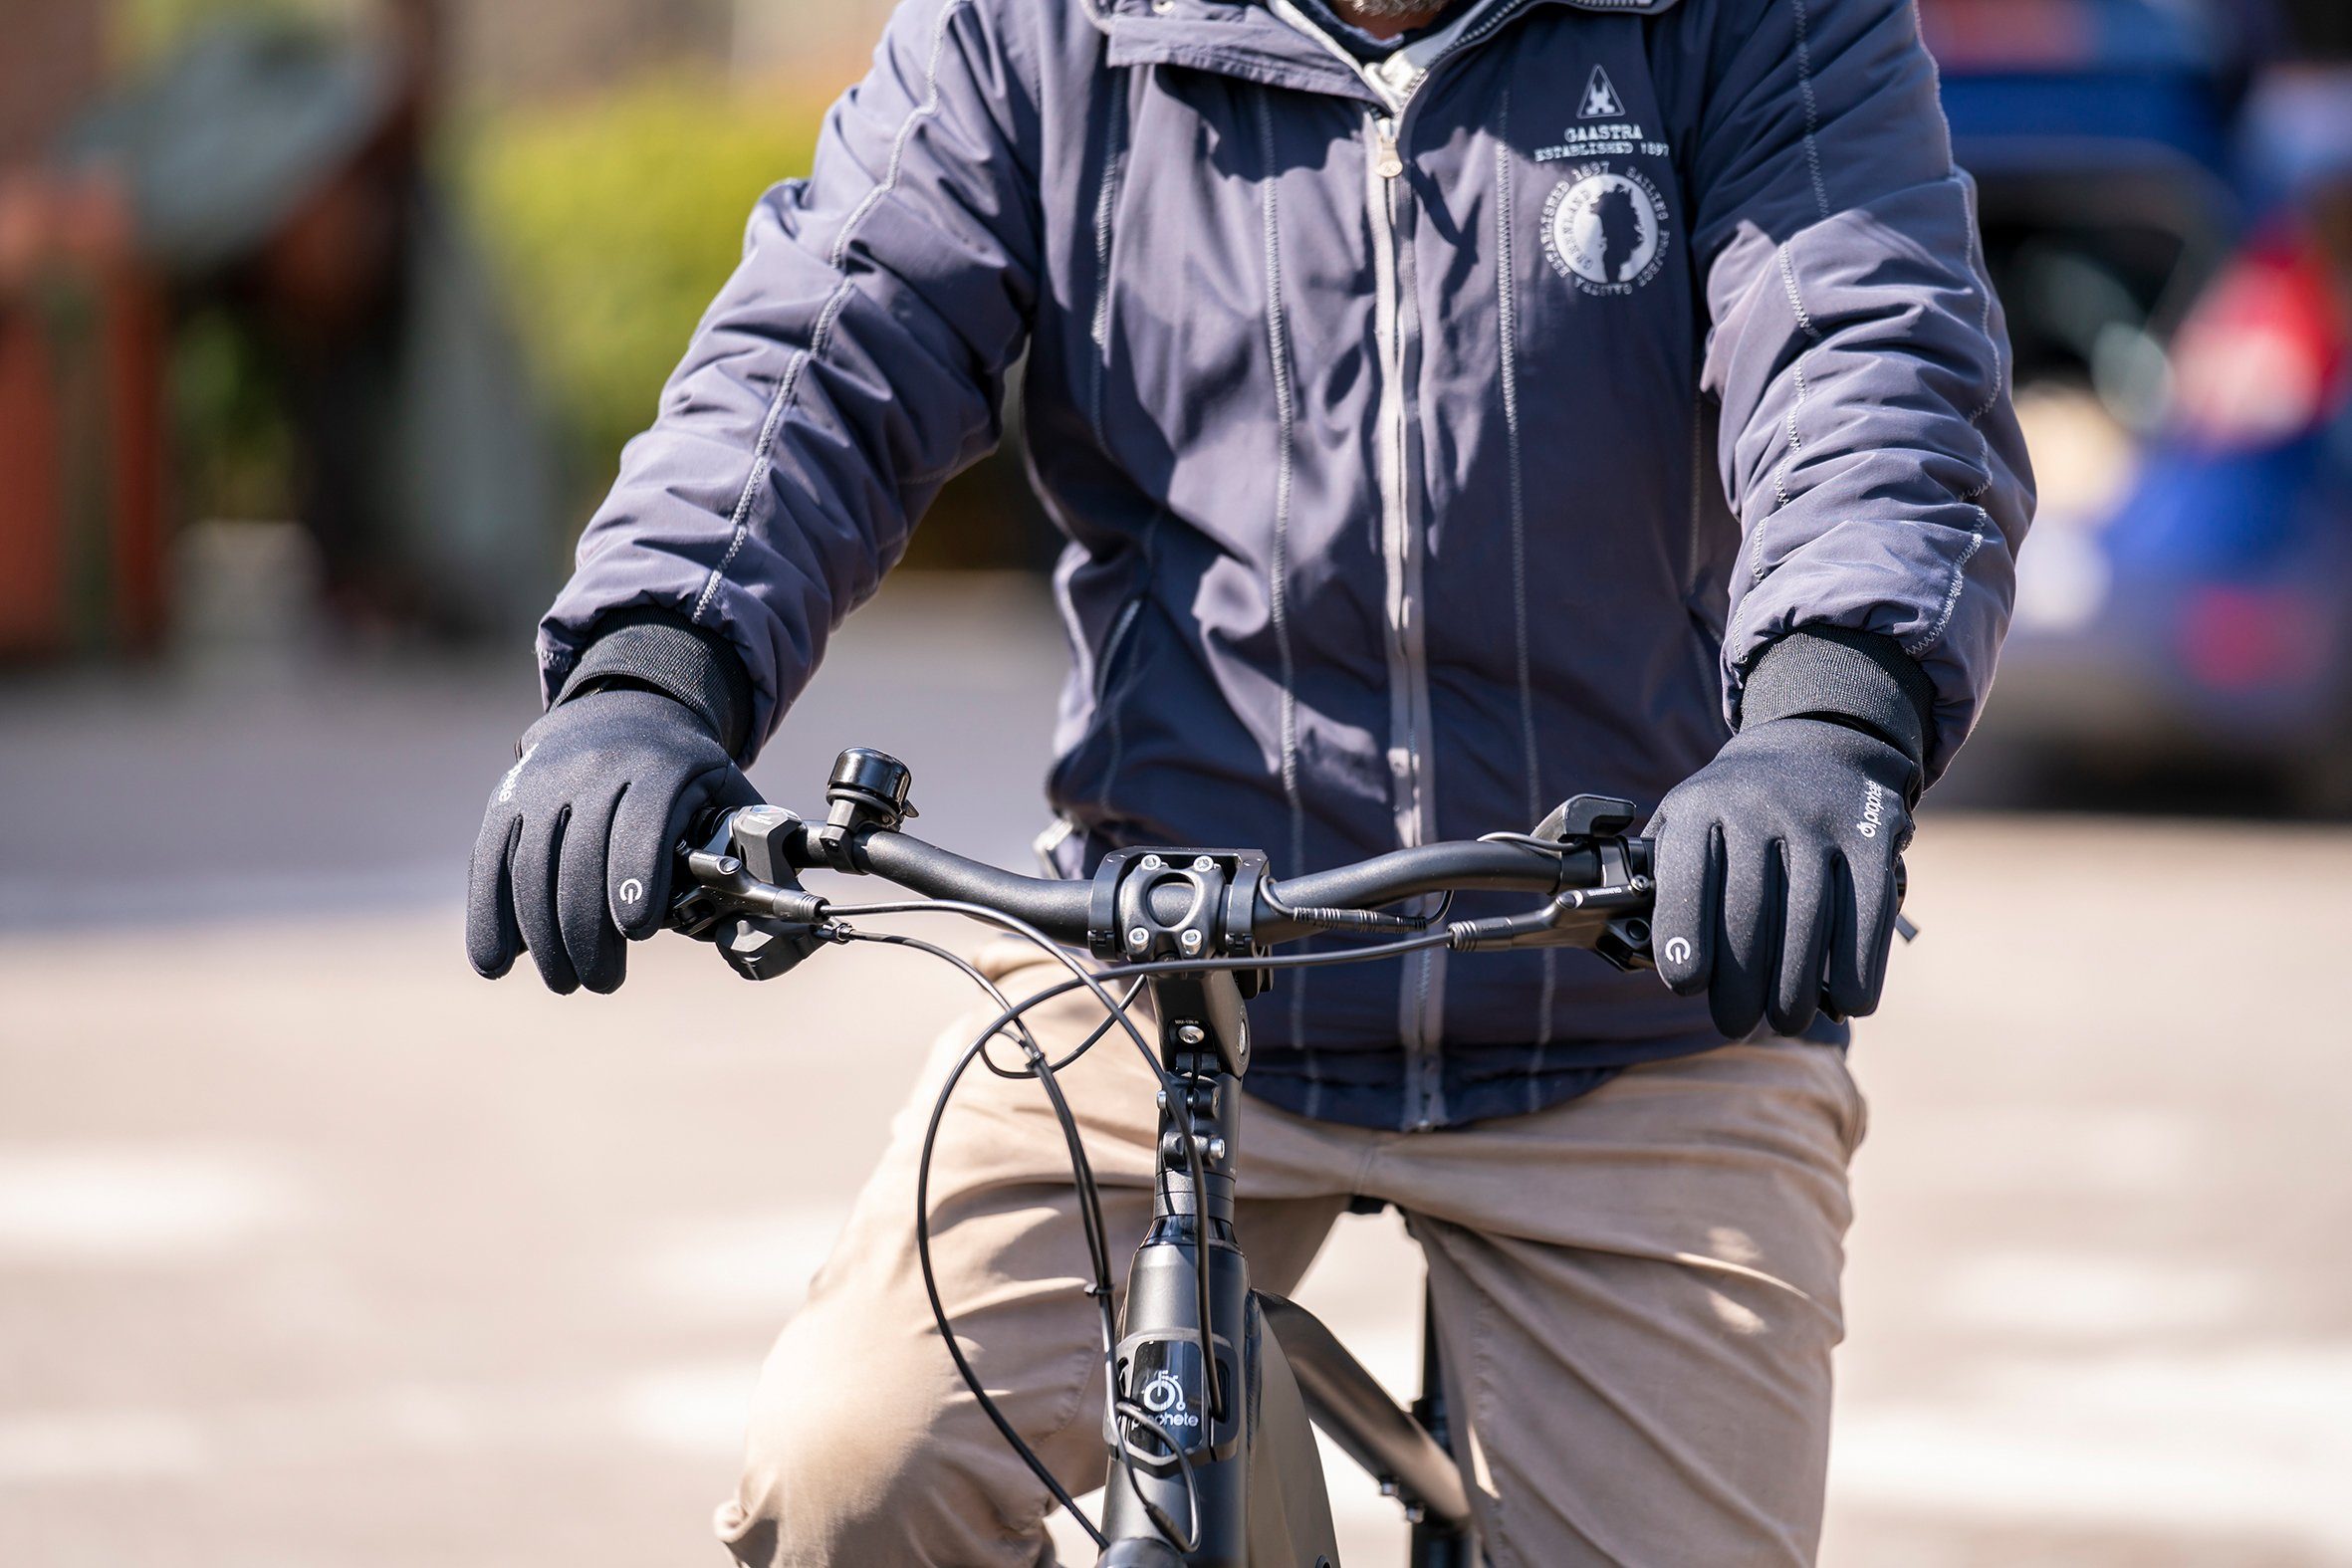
1588,816
1600,823
757,947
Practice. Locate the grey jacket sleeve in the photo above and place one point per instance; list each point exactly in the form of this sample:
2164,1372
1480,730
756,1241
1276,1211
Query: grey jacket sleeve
1869,447
852,364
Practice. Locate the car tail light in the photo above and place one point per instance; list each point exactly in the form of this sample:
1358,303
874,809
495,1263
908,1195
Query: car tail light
2010,35
2239,639
2262,358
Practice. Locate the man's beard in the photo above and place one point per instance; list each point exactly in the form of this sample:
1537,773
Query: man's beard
1391,10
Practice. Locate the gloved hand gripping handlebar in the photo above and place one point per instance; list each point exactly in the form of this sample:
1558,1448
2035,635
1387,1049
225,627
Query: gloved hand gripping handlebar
740,871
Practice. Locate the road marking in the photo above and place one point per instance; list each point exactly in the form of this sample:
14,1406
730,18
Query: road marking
696,1408
2247,1442
743,1267
85,1204
2027,1294
2073,1148
100,1445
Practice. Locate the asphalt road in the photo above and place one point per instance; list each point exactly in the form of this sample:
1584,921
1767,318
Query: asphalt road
316,1249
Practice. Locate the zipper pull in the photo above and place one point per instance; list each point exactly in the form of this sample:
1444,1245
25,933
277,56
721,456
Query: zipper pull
1386,163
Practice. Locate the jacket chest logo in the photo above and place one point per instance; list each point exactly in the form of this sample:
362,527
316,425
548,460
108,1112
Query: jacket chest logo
1600,98
1607,230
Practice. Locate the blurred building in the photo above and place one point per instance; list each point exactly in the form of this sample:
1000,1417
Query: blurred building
510,48
53,63
246,227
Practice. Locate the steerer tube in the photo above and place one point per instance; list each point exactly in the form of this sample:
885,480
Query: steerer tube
1192,1399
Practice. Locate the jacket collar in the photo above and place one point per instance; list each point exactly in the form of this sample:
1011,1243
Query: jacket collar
1250,40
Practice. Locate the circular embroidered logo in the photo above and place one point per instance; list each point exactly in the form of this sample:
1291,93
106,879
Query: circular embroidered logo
1606,231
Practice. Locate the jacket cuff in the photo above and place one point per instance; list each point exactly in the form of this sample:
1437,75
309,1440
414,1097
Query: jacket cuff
1857,678
659,651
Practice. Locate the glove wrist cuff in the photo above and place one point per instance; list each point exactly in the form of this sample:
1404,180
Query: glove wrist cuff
658,652
1855,678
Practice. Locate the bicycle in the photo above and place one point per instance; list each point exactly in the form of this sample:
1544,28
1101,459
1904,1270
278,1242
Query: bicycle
1213,1389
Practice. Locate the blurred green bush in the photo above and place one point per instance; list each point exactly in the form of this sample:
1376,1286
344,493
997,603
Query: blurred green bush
144,29
611,222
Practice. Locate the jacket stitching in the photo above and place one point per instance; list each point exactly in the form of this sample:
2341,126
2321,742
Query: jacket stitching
1507,323
1698,486
1804,317
762,455
1918,648
1951,595
1278,347
1117,662
1757,568
1812,107
2001,370
1804,320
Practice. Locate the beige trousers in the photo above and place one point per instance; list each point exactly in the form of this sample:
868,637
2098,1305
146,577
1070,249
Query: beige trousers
1636,1296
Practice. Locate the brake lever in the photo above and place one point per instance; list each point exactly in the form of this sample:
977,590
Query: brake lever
1612,920
739,892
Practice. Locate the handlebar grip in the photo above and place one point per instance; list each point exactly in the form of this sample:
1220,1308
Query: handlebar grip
1058,908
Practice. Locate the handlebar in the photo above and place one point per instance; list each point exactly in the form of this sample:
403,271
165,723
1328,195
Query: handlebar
739,881
1066,910
1058,908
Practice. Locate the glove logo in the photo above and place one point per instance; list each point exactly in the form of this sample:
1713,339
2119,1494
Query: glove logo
631,891
1873,810
1678,950
506,786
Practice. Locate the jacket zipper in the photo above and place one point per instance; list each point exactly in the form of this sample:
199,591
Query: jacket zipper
1421,1012
1396,525
1401,550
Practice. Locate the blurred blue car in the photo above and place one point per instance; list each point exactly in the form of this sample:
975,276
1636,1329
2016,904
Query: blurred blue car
2171,230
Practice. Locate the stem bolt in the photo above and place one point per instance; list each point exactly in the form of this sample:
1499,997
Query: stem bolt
1190,1035
1190,942
1204,863
1154,862
1139,939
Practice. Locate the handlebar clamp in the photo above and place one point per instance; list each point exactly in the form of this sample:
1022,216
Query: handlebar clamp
1151,905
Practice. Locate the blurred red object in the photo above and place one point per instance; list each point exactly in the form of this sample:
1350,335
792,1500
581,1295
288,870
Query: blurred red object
2243,639
82,426
2262,359
2012,33
51,62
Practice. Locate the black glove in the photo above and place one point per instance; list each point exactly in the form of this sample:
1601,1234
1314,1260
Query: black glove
575,851
1775,862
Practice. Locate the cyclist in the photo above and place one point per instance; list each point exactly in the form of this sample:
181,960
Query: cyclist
1449,407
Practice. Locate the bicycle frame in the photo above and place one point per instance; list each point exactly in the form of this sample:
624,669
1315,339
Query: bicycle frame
1249,1490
